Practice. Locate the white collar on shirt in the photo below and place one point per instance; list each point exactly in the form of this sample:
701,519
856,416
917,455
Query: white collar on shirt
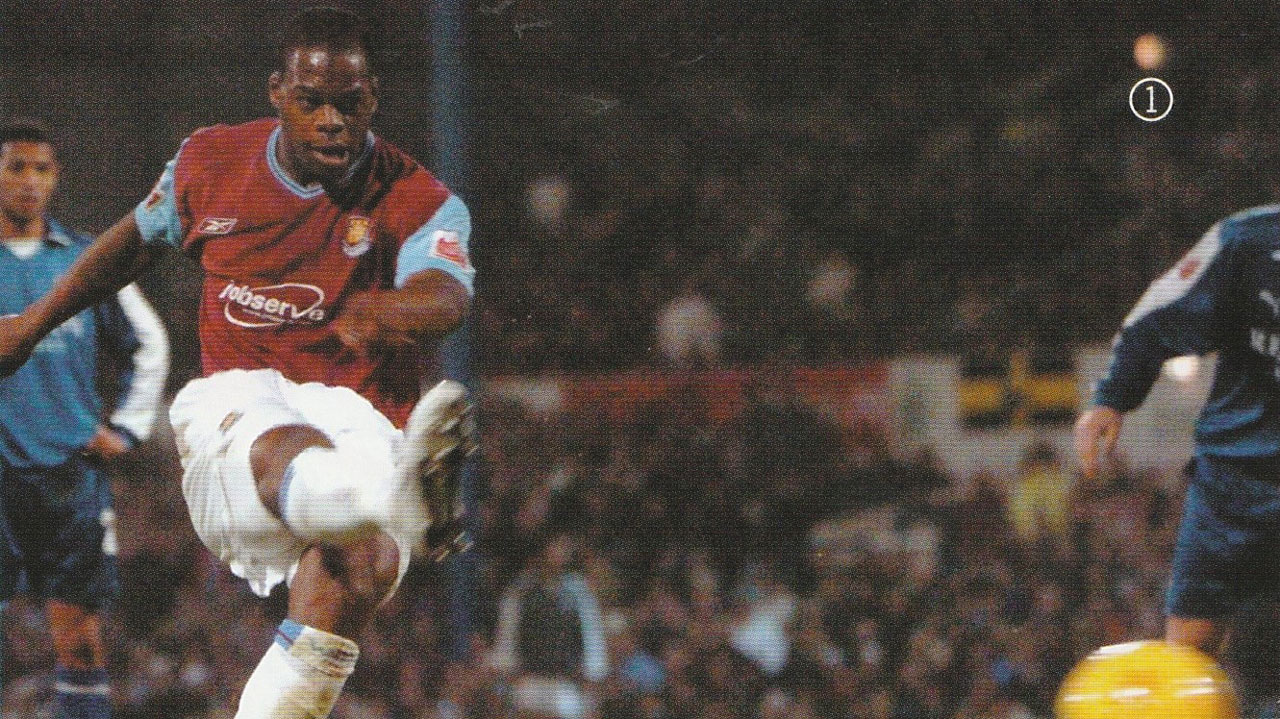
24,247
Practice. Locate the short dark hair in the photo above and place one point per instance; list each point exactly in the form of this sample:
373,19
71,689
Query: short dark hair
328,26
24,130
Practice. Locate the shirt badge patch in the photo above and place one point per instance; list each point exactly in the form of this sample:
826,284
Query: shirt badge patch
447,245
1188,268
359,237
217,225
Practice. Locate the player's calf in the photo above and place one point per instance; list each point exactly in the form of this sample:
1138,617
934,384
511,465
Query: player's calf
337,589
332,597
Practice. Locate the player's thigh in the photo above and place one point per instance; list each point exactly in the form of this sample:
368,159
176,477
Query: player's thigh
1228,539
211,412
344,416
216,420
205,412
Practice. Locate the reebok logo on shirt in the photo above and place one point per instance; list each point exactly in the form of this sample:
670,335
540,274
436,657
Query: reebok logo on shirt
217,225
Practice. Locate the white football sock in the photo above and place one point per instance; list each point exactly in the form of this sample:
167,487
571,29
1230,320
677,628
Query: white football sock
335,495
300,676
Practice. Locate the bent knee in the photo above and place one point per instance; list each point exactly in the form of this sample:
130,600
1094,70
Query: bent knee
367,569
337,589
382,560
271,453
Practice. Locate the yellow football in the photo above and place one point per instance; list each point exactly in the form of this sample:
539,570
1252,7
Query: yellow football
1147,680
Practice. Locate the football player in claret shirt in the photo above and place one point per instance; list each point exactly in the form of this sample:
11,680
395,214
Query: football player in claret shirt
329,258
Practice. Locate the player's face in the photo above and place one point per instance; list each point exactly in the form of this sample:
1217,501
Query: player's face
326,100
28,176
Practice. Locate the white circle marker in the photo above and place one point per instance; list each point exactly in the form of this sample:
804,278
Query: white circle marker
1143,105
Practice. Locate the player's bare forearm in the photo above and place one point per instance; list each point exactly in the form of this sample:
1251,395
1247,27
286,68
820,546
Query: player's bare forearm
114,260
430,304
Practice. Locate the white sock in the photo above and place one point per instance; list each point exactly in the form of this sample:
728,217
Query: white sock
335,495
300,676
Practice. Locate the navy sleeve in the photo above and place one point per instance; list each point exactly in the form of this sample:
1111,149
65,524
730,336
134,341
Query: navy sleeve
1177,315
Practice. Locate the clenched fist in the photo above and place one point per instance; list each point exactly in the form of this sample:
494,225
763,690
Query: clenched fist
372,321
1098,425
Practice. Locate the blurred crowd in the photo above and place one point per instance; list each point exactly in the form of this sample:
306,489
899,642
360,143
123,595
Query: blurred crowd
768,566
807,183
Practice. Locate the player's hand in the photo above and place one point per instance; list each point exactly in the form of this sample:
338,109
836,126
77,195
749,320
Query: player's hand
15,344
107,444
364,325
1097,426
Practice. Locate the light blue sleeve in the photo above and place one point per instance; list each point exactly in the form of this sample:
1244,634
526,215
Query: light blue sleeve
441,244
157,216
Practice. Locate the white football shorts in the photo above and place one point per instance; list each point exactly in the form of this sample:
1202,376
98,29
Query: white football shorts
216,420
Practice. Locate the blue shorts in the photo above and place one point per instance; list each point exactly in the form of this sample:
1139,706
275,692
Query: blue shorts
1228,547
54,541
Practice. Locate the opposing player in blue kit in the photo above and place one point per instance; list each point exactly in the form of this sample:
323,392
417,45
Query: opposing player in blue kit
56,533
1223,296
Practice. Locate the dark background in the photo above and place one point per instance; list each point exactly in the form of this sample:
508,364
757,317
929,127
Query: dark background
946,152
972,169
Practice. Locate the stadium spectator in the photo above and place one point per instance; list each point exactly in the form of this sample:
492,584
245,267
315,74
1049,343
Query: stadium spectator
688,330
550,638
1040,498
834,298
764,633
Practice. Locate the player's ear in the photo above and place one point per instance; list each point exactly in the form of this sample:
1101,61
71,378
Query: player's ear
275,89
374,87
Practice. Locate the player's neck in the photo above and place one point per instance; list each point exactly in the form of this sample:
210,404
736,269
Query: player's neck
16,227
285,161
